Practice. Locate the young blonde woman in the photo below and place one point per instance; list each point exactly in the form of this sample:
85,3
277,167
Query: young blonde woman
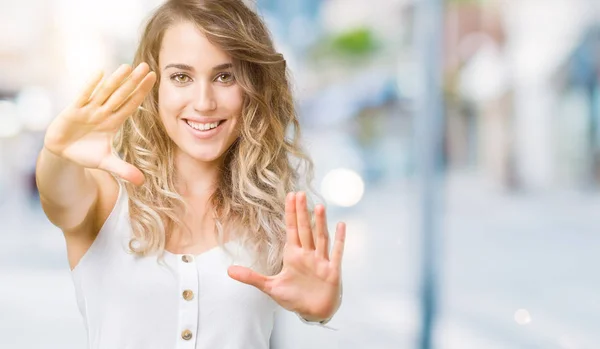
174,184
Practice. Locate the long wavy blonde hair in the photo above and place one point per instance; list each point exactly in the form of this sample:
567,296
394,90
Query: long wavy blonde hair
261,166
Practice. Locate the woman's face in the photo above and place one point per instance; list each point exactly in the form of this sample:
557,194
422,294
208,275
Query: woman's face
199,101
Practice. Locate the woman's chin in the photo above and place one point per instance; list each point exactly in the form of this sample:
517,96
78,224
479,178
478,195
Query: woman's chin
205,156
208,152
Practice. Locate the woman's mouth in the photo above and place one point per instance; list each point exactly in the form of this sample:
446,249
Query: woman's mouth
204,130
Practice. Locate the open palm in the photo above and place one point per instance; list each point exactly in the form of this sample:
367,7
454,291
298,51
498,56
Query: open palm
310,280
83,132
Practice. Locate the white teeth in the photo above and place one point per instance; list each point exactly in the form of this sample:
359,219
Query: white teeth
202,127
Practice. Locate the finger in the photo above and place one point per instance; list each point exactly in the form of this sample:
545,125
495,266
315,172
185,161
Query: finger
249,277
322,236
123,169
109,85
304,229
126,89
338,245
88,89
138,96
291,222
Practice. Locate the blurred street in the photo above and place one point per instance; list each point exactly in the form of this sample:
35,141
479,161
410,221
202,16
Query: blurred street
501,253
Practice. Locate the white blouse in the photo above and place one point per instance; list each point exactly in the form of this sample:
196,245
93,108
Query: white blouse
181,301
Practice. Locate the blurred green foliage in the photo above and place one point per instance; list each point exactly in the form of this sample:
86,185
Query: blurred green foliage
356,44
358,41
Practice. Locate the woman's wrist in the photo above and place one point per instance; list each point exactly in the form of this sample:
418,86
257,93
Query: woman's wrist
309,320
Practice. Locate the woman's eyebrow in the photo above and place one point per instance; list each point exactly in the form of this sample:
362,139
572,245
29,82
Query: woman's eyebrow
191,69
179,66
222,66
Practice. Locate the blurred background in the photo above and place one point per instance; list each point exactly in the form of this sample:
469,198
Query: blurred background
515,188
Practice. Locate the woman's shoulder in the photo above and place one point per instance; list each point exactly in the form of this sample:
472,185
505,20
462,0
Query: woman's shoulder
81,238
108,194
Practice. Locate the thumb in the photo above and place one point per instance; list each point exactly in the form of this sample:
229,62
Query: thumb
123,169
249,276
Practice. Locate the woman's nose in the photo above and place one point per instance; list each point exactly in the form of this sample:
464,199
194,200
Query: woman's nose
205,100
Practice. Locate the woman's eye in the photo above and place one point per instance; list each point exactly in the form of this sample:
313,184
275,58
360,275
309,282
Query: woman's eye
225,77
180,78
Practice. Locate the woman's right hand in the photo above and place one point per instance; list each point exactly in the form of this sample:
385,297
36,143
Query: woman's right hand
84,131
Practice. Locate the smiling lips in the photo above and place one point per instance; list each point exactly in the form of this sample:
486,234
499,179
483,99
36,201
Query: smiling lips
206,129
203,126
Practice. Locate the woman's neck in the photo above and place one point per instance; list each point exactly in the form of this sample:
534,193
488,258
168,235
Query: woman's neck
196,180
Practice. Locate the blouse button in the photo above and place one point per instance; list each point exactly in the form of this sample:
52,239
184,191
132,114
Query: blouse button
187,335
188,295
186,258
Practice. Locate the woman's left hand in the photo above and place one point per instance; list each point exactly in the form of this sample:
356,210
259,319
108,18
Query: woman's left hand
310,280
